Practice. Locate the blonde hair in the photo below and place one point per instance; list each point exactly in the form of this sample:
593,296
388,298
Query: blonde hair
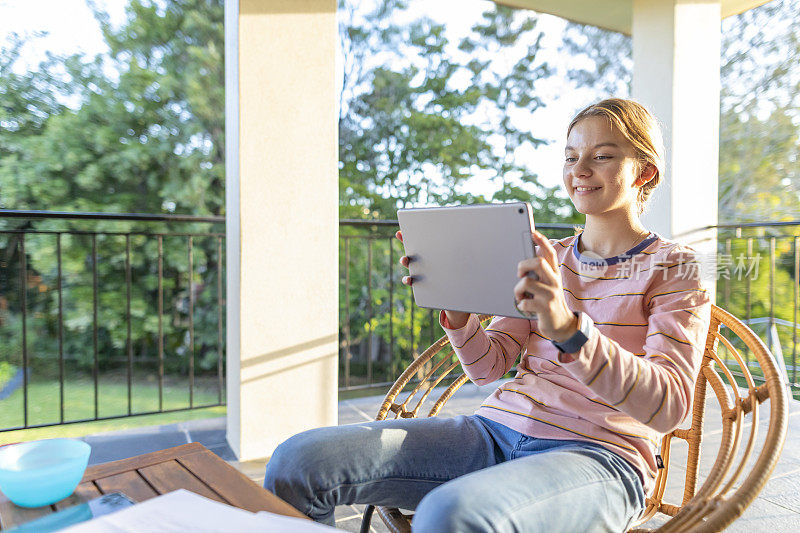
641,129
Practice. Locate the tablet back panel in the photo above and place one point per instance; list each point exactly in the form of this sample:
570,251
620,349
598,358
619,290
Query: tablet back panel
465,258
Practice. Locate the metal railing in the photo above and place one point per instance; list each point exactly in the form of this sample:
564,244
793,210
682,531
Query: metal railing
758,274
381,330
144,296
72,318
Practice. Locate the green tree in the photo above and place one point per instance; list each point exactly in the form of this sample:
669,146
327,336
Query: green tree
140,129
25,105
507,82
759,167
150,139
759,116
605,58
419,115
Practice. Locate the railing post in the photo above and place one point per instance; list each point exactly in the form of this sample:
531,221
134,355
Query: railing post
190,285
795,282
23,287
129,339
160,322
95,354
60,332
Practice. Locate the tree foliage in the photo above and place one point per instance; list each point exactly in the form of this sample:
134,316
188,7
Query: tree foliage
760,115
603,59
139,129
420,115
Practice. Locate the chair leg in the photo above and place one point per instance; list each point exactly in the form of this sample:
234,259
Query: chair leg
367,519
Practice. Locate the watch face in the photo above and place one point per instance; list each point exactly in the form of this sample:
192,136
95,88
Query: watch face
585,324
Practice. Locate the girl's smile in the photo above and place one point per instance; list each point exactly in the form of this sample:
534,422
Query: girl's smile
585,190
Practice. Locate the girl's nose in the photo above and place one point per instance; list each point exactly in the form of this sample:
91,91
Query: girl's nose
580,169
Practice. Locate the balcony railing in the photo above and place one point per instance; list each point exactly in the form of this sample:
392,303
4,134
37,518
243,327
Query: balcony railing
381,331
758,270
108,316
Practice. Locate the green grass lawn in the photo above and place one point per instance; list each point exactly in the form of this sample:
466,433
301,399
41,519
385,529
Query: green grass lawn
43,406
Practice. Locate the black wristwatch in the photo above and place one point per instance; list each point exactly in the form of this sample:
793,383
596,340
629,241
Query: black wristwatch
576,342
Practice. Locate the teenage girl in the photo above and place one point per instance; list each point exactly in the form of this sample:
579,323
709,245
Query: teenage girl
607,367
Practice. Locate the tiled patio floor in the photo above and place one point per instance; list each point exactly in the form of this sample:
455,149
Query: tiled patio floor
776,510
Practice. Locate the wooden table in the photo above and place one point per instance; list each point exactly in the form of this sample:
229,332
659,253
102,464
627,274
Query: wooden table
191,466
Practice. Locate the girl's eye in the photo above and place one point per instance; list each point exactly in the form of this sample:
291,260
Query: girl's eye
571,159
603,157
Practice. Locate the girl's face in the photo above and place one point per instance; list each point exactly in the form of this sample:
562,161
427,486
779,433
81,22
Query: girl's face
600,168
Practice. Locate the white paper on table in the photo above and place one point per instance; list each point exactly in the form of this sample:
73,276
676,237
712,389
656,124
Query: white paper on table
183,510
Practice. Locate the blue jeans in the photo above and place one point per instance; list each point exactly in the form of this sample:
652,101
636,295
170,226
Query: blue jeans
459,474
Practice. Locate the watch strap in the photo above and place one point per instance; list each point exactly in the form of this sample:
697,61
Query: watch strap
579,338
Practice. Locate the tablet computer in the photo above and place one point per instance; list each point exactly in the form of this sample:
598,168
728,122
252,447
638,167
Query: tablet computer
464,258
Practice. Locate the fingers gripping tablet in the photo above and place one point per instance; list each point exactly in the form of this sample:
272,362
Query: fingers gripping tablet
465,258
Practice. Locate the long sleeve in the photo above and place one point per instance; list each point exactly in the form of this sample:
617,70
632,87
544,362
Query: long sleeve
656,387
487,354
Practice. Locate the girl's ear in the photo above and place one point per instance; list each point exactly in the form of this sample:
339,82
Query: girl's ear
647,174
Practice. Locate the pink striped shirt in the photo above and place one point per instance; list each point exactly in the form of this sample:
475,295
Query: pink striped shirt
634,378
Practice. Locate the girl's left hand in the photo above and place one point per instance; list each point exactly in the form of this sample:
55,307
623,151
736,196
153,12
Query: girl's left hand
545,296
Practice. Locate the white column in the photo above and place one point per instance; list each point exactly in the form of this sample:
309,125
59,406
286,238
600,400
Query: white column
282,220
676,55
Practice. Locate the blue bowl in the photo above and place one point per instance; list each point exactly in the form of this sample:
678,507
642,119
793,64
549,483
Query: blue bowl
42,472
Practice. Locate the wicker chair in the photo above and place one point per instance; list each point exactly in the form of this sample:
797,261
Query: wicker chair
733,482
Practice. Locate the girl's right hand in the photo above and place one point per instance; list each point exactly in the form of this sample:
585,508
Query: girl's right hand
456,319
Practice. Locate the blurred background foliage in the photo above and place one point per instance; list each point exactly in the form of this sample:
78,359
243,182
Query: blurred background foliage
139,129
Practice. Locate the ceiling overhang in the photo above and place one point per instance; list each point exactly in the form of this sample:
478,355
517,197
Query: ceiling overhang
614,15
